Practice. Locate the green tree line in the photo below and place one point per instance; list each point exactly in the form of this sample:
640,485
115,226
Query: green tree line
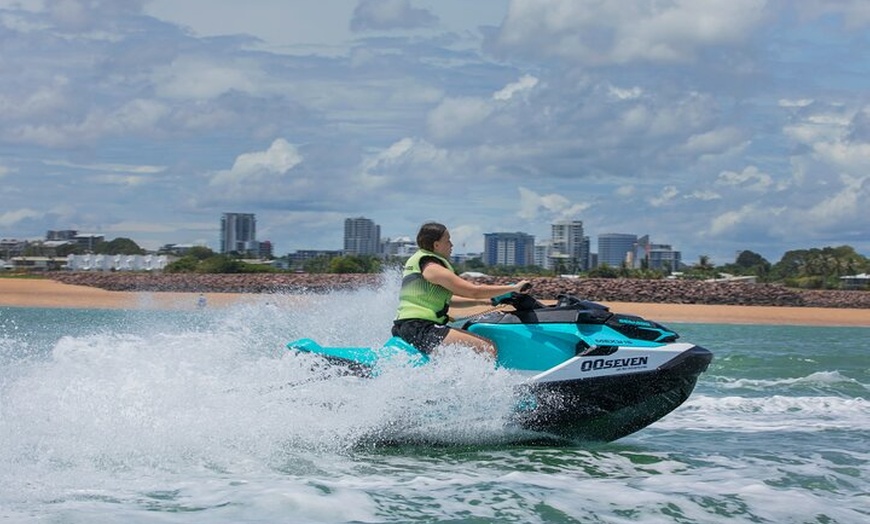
815,268
118,246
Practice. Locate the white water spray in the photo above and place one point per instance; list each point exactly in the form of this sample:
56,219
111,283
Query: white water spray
218,388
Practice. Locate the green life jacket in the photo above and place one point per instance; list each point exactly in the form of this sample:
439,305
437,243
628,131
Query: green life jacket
420,298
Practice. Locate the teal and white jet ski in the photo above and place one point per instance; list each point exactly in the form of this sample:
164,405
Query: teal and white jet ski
583,372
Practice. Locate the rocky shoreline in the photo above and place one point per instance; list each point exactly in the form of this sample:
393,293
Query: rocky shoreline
597,289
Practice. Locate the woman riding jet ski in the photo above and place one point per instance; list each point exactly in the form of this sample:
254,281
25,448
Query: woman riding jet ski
583,373
428,286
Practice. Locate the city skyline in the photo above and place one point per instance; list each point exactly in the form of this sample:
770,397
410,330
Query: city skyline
615,245
714,126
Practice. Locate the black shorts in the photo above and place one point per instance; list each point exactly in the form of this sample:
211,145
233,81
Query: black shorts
424,335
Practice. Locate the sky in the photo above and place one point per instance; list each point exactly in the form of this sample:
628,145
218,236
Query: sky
713,126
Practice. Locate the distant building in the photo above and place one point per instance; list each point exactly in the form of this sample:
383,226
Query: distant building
508,249
298,259
264,250
462,258
66,234
239,233
542,255
569,246
176,249
616,249
50,248
859,281
39,263
88,241
656,256
12,247
361,237
402,247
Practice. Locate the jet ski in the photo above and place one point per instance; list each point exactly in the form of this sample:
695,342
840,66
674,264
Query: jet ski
583,373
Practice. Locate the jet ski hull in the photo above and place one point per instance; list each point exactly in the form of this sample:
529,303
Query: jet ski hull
576,401
609,407
583,373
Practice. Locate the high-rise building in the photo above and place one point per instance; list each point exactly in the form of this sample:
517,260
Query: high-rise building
656,256
616,249
542,255
361,236
239,233
569,249
508,249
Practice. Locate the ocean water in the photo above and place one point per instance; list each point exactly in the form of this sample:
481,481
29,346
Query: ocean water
196,416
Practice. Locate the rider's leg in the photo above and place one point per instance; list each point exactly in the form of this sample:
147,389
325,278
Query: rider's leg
479,344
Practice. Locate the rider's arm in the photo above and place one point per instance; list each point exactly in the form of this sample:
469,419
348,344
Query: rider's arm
440,275
459,301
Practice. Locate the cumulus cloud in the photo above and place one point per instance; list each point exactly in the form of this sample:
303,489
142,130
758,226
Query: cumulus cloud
82,15
465,236
750,178
138,116
729,220
835,136
597,32
410,163
747,221
525,83
705,195
665,196
553,207
40,103
850,157
621,93
260,166
13,217
716,141
201,78
384,15
379,170
454,115
849,204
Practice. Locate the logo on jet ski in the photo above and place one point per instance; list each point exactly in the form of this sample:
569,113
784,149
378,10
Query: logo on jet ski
613,363
633,322
613,342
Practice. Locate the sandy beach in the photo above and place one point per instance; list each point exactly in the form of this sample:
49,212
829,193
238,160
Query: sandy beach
51,294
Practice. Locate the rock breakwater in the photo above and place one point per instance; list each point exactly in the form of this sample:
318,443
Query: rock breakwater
596,289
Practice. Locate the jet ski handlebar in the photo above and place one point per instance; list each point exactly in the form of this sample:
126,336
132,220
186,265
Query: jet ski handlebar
524,301
521,300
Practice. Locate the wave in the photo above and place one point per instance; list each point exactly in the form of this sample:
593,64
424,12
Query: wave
833,382
770,414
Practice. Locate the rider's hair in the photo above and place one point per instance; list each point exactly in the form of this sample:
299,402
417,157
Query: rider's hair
429,233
